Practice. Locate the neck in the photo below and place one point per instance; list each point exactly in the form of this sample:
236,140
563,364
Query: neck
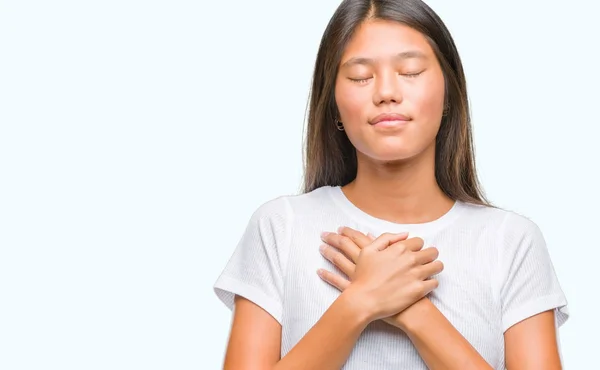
405,192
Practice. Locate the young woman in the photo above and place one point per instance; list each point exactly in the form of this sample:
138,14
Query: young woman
391,258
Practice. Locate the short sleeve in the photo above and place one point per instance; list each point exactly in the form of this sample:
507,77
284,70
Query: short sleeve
529,282
255,270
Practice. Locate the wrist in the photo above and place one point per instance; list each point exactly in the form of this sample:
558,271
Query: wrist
361,307
415,315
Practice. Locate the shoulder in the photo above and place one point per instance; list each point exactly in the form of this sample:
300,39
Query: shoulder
515,235
281,211
273,208
294,204
311,200
504,221
517,228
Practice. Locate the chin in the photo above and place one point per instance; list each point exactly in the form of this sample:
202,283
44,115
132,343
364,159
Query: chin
393,149
390,156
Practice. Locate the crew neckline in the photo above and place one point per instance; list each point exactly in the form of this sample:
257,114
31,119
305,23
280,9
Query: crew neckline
380,225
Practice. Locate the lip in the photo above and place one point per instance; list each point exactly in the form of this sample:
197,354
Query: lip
389,117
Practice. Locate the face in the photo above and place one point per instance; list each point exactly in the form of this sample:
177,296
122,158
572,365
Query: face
390,92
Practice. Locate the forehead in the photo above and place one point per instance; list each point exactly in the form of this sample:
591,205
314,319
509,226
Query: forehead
382,38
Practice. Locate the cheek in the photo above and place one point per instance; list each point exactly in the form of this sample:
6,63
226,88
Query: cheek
351,103
428,100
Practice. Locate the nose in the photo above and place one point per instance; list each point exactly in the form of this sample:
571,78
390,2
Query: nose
387,89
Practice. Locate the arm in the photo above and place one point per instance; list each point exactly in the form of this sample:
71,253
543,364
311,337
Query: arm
256,336
427,327
329,343
533,303
532,344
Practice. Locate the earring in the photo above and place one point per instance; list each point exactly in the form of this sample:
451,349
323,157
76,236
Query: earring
339,125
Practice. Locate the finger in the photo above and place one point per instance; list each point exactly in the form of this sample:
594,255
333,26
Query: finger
343,243
333,279
338,259
426,255
372,237
412,244
429,286
430,269
360,239
385,240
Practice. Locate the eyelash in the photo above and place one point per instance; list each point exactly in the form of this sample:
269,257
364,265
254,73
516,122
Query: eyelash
412,75
359,80
362,80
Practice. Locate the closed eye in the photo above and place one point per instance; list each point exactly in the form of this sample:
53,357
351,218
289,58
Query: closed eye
360,80
365,80
411,75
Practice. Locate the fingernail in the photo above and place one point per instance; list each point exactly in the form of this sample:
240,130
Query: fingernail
322,248
339,230
324,234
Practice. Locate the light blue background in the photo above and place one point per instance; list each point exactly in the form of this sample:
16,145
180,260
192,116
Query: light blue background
137,137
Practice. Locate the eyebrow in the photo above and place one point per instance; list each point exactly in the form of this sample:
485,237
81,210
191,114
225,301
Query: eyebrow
410,54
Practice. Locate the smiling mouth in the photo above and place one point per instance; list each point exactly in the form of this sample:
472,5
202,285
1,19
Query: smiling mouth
389,117
390,120
390,124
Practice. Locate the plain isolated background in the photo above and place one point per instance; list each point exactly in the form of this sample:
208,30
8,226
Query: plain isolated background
137,138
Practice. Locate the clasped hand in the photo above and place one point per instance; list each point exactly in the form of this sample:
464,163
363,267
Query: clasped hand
389,273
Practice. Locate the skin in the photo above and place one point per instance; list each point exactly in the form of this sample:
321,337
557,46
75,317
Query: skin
396,182
395,177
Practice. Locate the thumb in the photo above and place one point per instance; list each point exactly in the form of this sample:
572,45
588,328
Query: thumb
386,239
372,237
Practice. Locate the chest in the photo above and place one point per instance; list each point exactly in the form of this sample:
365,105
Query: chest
465,296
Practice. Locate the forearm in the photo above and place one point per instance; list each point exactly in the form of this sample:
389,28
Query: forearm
440,345
329,342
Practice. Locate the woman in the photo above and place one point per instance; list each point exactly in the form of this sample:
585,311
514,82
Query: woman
391,258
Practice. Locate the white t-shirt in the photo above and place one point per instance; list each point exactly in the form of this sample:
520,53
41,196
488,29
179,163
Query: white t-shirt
497,272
